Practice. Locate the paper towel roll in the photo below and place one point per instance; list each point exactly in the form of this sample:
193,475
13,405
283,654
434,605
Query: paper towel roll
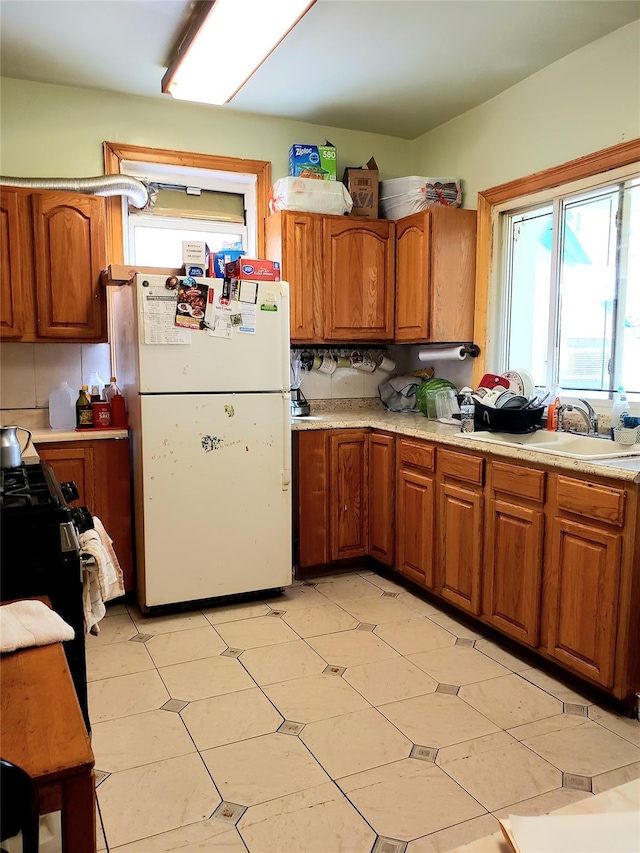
455,353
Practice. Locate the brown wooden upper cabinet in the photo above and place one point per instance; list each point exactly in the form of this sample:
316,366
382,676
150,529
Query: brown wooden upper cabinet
53,248
341,272
435,276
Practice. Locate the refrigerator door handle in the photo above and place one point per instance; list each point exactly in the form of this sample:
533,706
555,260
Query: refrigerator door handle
286,352
286,444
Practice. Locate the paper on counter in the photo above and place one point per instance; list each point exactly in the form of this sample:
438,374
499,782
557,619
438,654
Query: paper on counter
610,832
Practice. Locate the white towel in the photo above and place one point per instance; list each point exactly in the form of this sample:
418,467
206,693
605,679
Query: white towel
102,577
31,623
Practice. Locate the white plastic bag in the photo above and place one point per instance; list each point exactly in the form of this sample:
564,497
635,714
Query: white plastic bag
310,196
403,196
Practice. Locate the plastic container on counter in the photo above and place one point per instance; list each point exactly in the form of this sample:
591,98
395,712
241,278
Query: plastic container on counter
62,407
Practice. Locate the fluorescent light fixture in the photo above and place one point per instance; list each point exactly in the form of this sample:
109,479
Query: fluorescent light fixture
227,42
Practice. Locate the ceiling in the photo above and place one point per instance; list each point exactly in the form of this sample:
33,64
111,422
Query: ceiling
397,67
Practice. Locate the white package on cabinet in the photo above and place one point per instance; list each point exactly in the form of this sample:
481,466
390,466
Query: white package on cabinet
403,196
307,195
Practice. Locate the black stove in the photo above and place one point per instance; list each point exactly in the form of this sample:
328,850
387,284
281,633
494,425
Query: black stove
40,552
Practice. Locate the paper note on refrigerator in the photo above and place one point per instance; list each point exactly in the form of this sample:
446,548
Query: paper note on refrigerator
158,315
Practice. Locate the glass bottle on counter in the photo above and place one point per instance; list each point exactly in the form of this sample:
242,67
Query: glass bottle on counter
84,411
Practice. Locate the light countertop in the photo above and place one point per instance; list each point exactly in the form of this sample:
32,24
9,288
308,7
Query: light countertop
46,435
417,426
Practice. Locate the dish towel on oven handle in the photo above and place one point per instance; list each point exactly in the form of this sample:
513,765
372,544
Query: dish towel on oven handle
102,577
31,623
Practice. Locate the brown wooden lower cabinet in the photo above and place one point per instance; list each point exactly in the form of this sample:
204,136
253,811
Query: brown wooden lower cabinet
514,539
348,493
551,561
459,530
382,468
101,471
332,490
583,577
415,512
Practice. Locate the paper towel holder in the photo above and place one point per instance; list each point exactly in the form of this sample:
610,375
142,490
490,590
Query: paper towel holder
470,349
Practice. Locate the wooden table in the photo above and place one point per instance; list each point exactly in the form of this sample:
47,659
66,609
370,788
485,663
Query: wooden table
42,730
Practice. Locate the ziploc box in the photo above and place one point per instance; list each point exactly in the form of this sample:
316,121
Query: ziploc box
313,161
218,262
253,269
362,183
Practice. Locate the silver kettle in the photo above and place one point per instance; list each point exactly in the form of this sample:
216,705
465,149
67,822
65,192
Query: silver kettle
10,449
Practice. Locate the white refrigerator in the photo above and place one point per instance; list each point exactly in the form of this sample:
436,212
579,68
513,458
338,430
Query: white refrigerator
210,419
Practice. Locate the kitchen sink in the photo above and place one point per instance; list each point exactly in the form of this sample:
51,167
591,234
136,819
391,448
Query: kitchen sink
560,444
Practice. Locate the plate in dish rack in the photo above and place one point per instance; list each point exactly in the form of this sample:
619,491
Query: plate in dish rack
521,381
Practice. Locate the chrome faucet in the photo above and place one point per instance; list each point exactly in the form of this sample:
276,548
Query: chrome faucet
588,414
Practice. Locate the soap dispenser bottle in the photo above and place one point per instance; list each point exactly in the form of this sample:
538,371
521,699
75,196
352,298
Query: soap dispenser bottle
620,407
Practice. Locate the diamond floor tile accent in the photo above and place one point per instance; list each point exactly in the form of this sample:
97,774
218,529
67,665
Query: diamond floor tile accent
390,594
334,670
424,753
365,626
465,641
576,710
276,613
175,705
451,689
577,783
141,638
99,776
232,653
229,812
389,845
289,728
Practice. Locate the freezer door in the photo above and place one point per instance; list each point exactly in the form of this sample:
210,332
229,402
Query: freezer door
216,497
255,357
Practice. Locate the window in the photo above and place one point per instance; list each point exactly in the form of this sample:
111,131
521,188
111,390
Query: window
205,211
572,313
567,290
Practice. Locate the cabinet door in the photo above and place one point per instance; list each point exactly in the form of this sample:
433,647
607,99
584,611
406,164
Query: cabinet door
112,499
583,575
381,497
513,576
311,485
295,239
358,277
348,494
414,524
70,245
14,258
435,276
460,545
73,460
413,282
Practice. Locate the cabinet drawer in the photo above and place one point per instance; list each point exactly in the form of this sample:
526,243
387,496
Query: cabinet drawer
416,454
591,500
461,466
518,480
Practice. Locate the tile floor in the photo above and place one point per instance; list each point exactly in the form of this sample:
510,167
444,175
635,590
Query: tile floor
345,716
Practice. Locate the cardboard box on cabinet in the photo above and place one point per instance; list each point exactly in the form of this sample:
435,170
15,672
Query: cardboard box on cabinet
362,184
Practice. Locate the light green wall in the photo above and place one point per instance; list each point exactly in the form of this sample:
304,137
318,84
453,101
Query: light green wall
584,102
56,131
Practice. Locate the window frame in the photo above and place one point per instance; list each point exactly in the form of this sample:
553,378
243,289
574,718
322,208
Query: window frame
602,162
503,214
